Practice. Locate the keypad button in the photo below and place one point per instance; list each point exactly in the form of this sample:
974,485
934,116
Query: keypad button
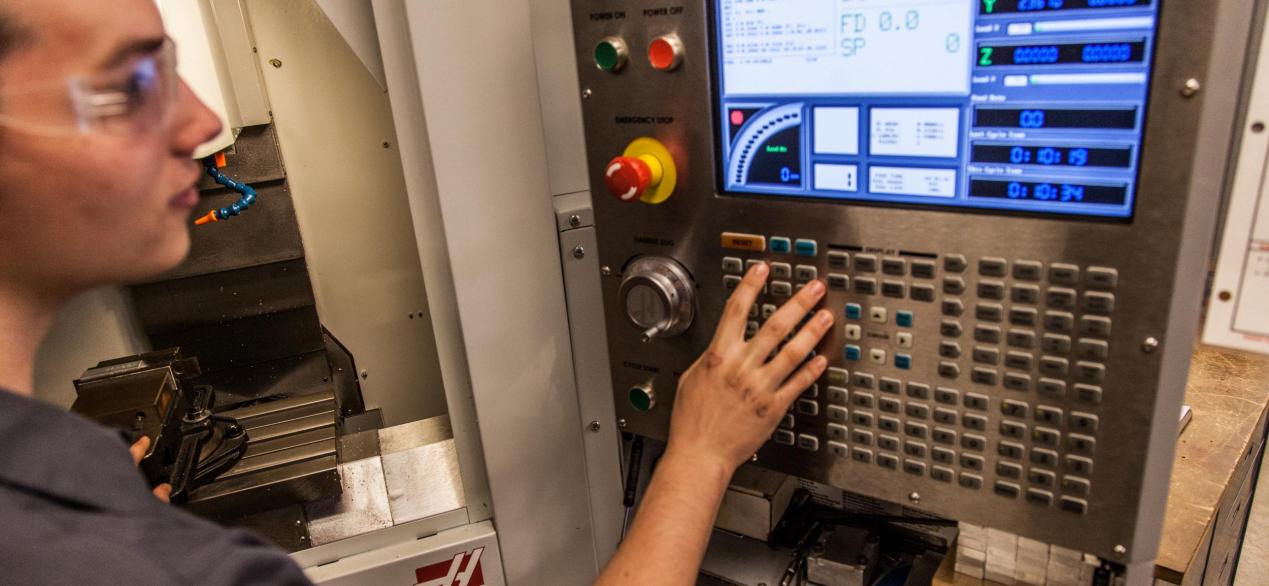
915,449
753,311
888,443
1096,350
977,402
1054,366
943,455
1090,372
890,424
863,380
972,481
1039,496
949,370
917,430
890,385
733,265
1020,339
973,442
1075,485
1044,457
986,355
1097,302
1074,505
863,400
838,396
839,282
949,350
784,437
1023,316
811,392
1043,478
838,260
861,455
838,376
974,422
1009,470
1102,278
1013,430
889,405
923,269
1059,321
1095,326
941,473
1027,270
1084,422
806,274
919,391
1018,360
1081,444
1056,344
1015,381
903,339
768,310
985,376
894,266
779,244
903,361
945,416
922,293
1088,393
987,334
972,462
991,312
809,443
991,290
865,263
854,311
894,289
953,285
1015,409
887,461
861,437
1046,436
914,467
751,263
804,247
862,419
1007,489
955,263
787,421
877,356
1012,450
838,450
1049,415
1026,294
1064,274
1052,388
917,411
947,396
943,435
953,307
781,288
1060,298
865,286
838,414
989,266
751,329
807,407
836,432
730,282
781,270
853,332
950,328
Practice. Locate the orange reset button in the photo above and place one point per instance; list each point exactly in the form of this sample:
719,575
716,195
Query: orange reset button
738,241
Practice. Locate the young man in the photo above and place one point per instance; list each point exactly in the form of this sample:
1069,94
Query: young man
97,136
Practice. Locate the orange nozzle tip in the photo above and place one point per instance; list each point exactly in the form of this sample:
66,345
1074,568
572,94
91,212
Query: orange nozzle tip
220,160
209,218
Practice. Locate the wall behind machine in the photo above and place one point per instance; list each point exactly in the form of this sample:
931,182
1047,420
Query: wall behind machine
335,130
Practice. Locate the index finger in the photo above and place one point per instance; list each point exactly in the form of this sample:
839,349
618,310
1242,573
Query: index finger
139,448
732,325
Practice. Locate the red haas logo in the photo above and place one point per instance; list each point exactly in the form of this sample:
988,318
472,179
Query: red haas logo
463,570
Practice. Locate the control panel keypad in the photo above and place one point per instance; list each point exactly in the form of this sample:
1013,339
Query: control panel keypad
1017,352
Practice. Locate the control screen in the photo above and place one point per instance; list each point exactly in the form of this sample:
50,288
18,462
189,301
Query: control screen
1023,105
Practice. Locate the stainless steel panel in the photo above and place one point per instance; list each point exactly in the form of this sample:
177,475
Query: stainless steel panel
362,507
1155,254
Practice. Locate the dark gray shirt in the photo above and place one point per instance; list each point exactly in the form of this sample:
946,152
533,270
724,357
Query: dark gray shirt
74,510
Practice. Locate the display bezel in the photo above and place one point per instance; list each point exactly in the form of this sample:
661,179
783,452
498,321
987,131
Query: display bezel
714,56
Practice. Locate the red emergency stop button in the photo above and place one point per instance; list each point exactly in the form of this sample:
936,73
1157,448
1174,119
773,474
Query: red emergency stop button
666,53
627,178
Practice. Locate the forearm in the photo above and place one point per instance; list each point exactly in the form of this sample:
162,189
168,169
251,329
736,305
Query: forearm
667,541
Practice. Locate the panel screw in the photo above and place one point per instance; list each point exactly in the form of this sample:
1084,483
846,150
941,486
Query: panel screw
1192,87
1120,551
753,458
1226,296
1258,127
277,63
915,497
1149,345
594,426
579,252
605,271
586,94
621,423
365,374
574,221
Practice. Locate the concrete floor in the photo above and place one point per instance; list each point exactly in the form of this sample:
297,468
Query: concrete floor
1253,565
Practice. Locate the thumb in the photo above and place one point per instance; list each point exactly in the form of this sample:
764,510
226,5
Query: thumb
138,449
163,492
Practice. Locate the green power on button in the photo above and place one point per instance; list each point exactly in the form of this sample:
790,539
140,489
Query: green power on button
611,54
643,398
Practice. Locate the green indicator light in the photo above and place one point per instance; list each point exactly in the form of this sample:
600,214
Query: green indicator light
607,57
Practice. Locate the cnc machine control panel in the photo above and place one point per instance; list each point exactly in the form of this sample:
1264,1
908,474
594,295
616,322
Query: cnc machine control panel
994,192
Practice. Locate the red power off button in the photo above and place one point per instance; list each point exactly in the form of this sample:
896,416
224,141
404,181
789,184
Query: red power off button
666,53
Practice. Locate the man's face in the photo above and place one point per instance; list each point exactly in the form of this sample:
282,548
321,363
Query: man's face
83,209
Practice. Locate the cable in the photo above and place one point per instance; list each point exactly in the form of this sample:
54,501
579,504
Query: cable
248,195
